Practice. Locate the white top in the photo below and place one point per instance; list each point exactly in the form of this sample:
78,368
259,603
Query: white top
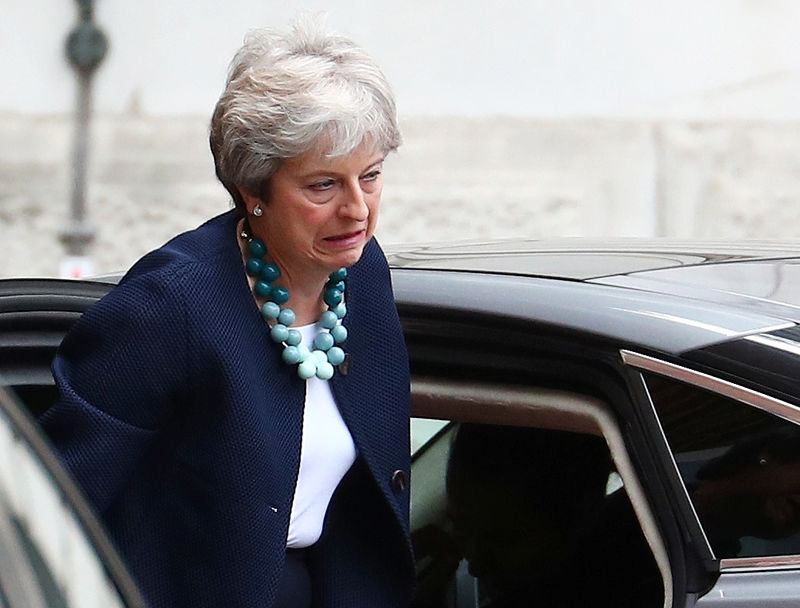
326,454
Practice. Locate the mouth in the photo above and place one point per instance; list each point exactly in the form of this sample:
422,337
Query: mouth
346,239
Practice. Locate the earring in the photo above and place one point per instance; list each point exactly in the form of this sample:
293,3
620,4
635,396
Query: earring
257,211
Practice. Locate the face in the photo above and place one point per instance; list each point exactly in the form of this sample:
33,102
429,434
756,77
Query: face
321,211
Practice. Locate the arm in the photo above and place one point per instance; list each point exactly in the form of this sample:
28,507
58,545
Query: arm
118,372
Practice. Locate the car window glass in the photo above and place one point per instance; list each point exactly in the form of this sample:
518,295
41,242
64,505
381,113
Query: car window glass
423,430
740,466
45,558
517,516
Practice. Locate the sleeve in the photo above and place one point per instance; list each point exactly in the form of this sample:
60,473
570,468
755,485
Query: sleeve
119,372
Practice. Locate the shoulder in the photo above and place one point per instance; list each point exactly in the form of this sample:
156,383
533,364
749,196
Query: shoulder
191,249
372,267
374,253
139,334
154,292
182,260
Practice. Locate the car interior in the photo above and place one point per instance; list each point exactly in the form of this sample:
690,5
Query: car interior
527,497
34,317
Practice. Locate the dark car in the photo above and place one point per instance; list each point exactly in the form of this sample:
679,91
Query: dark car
596,424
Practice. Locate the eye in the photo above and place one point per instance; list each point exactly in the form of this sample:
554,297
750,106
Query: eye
372,175
322,185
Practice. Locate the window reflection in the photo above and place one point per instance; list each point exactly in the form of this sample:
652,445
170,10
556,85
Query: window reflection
740,465
47,556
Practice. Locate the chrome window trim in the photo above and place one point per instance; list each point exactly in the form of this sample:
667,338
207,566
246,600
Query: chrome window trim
771,405
774,406
752,564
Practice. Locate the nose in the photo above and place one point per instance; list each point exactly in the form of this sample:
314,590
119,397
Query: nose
354,204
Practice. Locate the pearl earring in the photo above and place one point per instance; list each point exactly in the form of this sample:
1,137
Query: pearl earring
257,211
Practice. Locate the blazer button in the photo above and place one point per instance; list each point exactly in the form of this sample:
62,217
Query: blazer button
399,481
346,365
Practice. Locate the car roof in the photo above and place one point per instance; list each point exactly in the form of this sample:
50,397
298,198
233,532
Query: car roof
584,259
668,295
665,295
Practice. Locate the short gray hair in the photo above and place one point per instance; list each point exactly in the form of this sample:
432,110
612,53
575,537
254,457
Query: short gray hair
285,90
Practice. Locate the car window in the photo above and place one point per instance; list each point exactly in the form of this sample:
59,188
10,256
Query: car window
740,466
422,431
517,516
46,559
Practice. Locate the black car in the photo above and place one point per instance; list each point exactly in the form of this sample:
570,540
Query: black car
595,423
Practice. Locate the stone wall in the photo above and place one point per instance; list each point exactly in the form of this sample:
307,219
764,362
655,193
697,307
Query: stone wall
151,177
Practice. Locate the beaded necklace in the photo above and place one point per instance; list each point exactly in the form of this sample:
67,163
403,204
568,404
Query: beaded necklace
320,361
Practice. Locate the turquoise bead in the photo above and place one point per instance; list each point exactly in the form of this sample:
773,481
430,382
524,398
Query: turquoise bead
323,341
332,296
257,248
291,354
262,289
270,310
254,266
338,275
307,369
322,360
335,285
328,319
287,317
279,333
270,272
280,295
335,355
325,371
339,334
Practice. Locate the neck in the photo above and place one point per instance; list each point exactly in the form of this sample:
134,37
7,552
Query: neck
305,301
306,307
305,288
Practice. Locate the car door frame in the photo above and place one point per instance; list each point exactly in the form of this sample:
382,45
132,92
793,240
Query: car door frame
768,582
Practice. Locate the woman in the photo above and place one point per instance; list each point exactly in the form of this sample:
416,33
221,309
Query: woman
237,408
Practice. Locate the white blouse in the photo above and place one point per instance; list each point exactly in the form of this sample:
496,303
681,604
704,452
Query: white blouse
326,454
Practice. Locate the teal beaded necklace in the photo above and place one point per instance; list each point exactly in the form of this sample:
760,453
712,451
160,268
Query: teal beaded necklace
326,355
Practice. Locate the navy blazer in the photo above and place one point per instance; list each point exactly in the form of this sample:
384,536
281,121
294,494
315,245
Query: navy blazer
183,425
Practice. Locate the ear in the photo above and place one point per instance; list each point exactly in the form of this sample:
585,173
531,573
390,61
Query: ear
250,201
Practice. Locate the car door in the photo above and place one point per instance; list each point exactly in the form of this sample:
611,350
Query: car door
735,455
53,551
488,393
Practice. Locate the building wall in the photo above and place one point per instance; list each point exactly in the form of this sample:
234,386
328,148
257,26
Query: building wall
709,60
521,118
454,178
